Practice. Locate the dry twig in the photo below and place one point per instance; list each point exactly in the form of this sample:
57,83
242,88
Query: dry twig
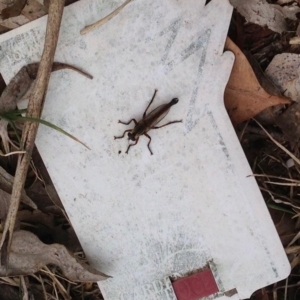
278,144
99,23
35,107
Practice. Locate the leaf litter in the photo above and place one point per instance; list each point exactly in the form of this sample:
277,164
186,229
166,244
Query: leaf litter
270,139
271,152
19,12
244,97
23,260
26,228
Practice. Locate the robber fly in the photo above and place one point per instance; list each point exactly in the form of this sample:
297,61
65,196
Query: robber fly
148,122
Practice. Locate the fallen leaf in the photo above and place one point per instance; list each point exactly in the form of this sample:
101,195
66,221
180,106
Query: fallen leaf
46,229
28,255
267,116
284,72
262,13
36,217
14,22
254,35
6,183
266,82
288,11
15,90
244,97
13,10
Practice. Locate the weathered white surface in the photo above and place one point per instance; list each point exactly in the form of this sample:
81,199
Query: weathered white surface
142,218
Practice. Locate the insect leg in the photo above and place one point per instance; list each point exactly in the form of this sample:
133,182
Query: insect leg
120,137
132,145
134,120
150,103
156,127
149,137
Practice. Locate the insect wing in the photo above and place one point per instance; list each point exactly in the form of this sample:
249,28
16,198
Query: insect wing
154,117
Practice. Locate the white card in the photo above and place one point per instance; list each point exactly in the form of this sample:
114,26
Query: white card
143,218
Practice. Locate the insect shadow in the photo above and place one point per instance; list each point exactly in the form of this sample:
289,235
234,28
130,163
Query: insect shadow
148,122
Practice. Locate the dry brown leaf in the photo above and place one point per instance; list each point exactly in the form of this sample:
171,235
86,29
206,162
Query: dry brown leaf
244,97
13,10
6,183
283,70
28,255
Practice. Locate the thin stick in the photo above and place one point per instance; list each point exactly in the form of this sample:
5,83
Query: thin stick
24,288
11,153
278,144
99,23
35,107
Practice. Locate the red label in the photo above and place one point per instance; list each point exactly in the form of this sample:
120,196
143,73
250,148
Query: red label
196,286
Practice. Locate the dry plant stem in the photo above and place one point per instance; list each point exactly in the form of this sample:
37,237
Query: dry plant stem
34,110
43,287
24,288
278,144
104,20
12,153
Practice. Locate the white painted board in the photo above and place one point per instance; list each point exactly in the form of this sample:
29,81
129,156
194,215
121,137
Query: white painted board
143,218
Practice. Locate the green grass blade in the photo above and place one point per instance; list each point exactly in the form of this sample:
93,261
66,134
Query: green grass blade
37,120
277,207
